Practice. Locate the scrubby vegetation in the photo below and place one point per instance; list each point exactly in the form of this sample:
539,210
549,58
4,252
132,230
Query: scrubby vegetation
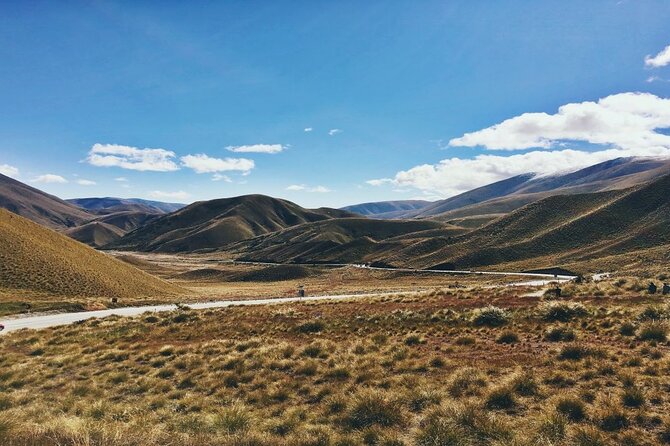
444,368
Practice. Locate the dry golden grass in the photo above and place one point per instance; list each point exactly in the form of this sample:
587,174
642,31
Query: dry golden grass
378,371
43,261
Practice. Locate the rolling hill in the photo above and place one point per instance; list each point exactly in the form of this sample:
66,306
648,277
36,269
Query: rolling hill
341,240
108,228
41,260
208,225
39,206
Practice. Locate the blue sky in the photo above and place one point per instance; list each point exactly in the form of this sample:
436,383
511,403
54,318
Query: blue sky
388,89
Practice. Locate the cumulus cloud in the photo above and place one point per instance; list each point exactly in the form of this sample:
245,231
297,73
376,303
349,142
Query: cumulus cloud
49,178
332,132
133,158
626,120
622,125
202,163
258,148
84,182
305,188
308,129
660,60
9,171
162,195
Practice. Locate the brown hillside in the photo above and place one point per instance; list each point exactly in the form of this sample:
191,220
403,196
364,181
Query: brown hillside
208,225
39,206
38,259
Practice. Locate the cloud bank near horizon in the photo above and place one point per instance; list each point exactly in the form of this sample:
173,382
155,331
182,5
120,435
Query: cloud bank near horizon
619,125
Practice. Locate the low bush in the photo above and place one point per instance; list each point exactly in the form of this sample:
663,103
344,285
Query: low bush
559,334
653,331
572,408
507,337
490,316
562,311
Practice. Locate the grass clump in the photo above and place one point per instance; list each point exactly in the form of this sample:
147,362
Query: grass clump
559,334
562,311
500,398
653,331
490,316
374,408
308,327
574,352
572,408
508,337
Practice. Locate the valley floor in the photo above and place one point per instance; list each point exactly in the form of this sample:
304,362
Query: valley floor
461,366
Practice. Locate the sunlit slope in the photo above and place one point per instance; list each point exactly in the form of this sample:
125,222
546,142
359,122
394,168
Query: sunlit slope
208,225
35,258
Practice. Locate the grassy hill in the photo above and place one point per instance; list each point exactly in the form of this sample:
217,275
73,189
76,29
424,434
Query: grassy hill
562,229
339,240
386,209
38,259
208,225
107,205
39,206
108,228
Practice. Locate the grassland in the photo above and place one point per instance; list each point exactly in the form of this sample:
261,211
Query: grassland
453,366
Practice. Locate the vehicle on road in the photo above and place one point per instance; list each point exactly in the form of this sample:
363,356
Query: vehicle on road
2,327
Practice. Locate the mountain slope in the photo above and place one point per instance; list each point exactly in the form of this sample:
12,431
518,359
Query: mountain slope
386,209
39,206
341,240
212,224
488,202
561,229
107,205
38,259
108,228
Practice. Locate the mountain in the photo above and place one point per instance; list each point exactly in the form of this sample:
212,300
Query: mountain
108,228
207,225
485,204
340,240
108,205
561,230
386,209
39,206
38,259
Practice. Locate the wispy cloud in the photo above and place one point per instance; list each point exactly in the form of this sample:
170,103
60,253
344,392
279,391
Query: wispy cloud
133,158
305,188
9,171
162,195
202,163
333,132
308,129
659,60
83,182
220,177
49,178
121,179
258,148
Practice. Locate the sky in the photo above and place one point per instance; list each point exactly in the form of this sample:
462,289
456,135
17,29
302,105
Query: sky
325,103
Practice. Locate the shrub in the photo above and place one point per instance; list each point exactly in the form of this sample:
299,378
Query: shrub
653,313
562,311
490,316
558,334
507,337
574,352
501,398
414,339
372,408
311,327
612,419
572,408
633,397
653,331
627,329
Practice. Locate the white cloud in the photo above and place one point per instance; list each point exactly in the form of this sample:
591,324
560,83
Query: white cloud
626,120
9,171
83,182
133,158
202,163
179,195
49,178
257,148
660,60
625,124
121,179
220,177
332,132
303,187
308,129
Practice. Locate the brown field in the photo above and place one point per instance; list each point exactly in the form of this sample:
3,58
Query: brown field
455,366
